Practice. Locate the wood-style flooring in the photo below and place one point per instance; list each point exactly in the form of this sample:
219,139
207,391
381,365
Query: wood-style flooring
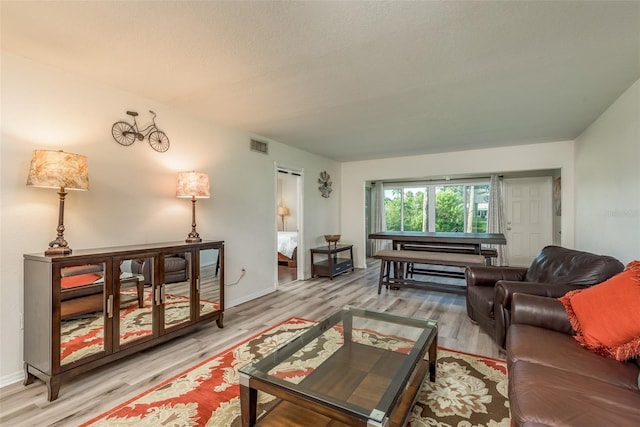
90,394
286,274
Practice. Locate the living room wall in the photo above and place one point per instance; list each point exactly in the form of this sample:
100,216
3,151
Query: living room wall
608,179
131,199
556,155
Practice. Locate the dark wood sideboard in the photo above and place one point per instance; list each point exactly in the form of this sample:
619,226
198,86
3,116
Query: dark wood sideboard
95,306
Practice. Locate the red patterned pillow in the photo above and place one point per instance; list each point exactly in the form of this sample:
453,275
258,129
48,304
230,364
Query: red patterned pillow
606,317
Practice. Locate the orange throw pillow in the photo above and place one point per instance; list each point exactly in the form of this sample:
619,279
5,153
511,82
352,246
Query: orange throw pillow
606,317
79,280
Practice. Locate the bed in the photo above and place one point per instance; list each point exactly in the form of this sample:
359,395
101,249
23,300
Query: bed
288,248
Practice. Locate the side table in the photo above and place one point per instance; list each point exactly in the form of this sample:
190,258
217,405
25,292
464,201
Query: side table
333,260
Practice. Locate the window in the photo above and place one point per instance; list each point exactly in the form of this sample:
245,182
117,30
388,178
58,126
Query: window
458,207
450,208
477,208
393,208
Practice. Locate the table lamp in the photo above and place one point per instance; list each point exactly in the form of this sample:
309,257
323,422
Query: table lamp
282,211
63,171
194,185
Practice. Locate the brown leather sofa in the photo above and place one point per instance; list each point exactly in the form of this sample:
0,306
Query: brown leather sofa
553,381
554,272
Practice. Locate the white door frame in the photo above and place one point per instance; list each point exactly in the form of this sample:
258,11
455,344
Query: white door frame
300,257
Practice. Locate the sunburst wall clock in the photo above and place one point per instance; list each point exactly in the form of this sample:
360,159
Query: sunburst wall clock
325,184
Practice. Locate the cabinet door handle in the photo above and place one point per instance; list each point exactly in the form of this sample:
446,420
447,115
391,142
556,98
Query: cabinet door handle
198,284
110,306
157,295
162,293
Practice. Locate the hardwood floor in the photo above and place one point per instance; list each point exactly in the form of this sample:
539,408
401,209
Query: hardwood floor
286,274
90,394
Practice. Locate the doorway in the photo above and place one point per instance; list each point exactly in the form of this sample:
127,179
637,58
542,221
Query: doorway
290,259
529,218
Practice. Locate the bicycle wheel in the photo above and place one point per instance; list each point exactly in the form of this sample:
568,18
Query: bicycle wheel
123,133
159,141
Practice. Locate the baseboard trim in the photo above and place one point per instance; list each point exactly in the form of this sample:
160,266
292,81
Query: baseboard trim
11,379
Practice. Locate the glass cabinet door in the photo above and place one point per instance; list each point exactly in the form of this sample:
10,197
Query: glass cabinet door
133,298
82,311
176,291
208,281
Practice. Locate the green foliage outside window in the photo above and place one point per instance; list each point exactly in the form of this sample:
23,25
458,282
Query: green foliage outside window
413,208
449,209
406,208
393,208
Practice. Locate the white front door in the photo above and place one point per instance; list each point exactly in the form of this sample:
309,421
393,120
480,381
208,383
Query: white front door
528,206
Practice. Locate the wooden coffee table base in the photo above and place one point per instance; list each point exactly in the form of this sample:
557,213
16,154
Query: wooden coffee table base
338,378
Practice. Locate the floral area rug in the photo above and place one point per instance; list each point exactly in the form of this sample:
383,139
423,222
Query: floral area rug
470,390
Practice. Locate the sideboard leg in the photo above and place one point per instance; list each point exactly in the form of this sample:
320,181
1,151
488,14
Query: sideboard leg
53,388
29,378
219,321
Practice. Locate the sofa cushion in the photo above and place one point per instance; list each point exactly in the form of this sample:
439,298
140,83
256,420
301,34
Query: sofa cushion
542,395
560,351
606,316
564,266
174,263
80,269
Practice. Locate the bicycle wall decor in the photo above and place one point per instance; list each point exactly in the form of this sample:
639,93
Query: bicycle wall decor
126,133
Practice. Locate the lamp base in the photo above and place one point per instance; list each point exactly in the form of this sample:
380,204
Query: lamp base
59,246
193,239
61,250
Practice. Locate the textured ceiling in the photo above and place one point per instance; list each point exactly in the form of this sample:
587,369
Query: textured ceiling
352,80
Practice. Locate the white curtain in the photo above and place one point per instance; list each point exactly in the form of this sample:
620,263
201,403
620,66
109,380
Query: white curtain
496,222
380,223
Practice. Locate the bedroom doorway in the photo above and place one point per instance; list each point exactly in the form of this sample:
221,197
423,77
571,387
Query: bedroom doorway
290,255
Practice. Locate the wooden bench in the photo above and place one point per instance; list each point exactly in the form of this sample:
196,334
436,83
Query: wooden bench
488,253
398,259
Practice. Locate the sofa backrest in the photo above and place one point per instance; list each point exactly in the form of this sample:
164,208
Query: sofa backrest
555,264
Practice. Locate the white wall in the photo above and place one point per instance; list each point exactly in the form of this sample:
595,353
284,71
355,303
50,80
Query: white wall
132,189
608,180
480,162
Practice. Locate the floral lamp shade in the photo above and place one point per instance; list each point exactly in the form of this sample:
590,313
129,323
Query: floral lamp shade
193,185
57,169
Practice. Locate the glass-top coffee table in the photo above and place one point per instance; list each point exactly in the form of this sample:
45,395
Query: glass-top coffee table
357,367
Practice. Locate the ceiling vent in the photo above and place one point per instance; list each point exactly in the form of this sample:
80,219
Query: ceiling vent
259,146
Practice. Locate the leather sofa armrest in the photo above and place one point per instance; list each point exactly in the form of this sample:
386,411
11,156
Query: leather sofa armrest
543,312
488,275
505,289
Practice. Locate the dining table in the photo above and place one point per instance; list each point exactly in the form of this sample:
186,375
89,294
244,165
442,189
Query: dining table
445,242
445,239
